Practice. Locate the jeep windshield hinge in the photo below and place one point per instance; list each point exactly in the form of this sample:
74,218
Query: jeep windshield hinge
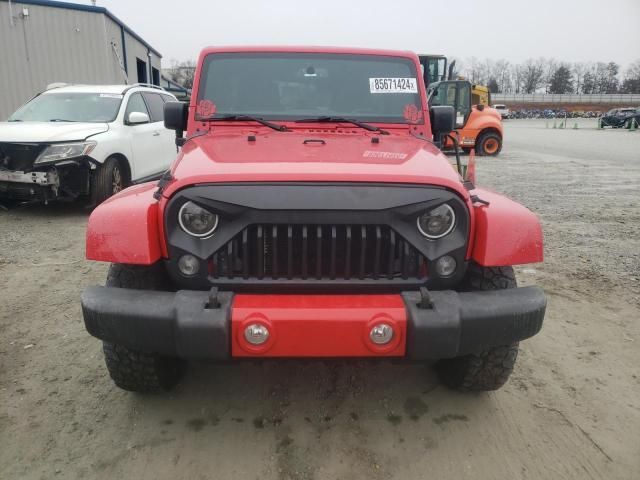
477,199
164,180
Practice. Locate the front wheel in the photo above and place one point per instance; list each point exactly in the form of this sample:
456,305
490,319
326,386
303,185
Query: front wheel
109,179
491,368
140,372
489,144
129,369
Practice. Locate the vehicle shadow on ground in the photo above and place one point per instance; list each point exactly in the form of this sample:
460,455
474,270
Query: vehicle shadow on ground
328,397
52,210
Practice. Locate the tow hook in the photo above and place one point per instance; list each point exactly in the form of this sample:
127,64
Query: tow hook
213,299
426,302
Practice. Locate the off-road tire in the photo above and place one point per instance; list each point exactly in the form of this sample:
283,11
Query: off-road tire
478,278
138,277
485,144
490,369
141,372
129,369
107,180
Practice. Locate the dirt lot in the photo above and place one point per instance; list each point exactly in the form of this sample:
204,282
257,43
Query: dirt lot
571,409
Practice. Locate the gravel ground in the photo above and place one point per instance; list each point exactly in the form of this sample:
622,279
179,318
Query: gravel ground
571,409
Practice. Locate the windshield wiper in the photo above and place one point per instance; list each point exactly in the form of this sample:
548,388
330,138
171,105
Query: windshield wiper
234,117
14,120
357,123
60,120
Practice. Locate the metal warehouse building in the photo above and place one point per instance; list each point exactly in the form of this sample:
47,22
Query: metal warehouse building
44,42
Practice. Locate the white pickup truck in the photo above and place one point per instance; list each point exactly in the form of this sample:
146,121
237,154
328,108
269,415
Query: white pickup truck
503,110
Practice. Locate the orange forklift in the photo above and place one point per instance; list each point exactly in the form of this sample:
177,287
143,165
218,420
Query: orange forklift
478,126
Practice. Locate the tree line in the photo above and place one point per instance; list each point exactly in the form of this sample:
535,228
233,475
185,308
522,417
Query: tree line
548,75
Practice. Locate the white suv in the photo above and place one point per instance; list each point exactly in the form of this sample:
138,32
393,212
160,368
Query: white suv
84,140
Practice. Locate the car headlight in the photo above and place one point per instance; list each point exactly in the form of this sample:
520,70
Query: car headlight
438,222
65,151
196,220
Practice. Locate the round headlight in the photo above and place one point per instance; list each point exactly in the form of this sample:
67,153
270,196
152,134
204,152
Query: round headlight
446,266
197,221
438,222
188,265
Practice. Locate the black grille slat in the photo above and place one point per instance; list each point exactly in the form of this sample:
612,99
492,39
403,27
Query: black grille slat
260,251
274,253
376,258
245,252
347,258
290,252
405,262
319,252
363,250
325,253
334,235
392,254
230,258
305,252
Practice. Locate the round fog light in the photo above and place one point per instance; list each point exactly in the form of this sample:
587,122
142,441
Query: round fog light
188,265
446,266
256,334
381,334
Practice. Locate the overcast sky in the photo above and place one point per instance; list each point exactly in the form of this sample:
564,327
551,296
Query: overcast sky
570,30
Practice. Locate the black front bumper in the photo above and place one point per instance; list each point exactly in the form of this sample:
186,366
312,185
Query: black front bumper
186,325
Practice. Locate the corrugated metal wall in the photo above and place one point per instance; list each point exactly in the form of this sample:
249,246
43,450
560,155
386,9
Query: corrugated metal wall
60,45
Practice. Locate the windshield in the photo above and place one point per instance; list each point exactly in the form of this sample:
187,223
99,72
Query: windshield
69,107
293,86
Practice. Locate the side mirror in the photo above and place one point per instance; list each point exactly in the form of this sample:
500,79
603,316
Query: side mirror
137,118
443,120
176,115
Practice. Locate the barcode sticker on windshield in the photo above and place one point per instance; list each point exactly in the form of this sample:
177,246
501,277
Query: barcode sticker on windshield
393,85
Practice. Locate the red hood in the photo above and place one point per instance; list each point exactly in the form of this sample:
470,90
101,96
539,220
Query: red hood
227,155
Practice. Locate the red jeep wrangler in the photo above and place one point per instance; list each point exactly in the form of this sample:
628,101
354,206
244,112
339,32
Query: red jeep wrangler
310,213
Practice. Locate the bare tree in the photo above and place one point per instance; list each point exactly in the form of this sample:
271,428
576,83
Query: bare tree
532,75
551,65
501,74
578,69
182,72
631,82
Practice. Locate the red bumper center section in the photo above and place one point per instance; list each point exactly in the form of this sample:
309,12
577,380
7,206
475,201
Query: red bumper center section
318,325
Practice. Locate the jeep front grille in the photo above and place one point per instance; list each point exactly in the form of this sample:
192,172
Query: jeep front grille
318,252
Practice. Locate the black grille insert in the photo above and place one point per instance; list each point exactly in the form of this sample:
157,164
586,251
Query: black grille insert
318,252
19,156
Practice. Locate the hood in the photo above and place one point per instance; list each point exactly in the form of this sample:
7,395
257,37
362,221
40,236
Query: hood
48,132
314,155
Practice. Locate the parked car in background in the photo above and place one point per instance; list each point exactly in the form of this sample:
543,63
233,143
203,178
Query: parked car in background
84,141
503,110
618,117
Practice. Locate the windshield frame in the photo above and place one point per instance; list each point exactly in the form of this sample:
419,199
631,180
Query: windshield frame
290,118
50,93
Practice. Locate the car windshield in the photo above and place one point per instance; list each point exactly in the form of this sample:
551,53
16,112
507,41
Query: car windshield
69,107
294,86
